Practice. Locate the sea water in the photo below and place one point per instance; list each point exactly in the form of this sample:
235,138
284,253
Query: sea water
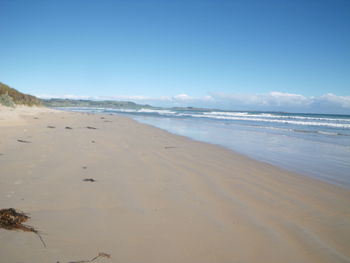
315,145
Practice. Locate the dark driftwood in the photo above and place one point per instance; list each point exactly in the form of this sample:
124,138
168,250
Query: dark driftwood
68,128
23,141
89,180
91,128
11,219
101,254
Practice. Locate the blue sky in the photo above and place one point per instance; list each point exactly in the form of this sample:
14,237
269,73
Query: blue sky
255,54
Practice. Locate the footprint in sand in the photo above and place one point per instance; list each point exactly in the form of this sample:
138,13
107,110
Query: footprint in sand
10,194
18,182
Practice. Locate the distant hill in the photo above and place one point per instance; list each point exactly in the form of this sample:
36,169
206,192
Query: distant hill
111,104
93,103
10,96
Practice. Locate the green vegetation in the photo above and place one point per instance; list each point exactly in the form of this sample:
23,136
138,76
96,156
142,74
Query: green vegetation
10,97
93,103
6,100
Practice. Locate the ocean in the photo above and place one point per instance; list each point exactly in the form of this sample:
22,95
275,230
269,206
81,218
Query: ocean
315,145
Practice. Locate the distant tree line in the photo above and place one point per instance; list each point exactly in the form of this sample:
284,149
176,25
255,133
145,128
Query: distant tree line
93,103
10,97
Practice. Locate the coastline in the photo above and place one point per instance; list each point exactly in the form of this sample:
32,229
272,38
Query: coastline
261,136
158,197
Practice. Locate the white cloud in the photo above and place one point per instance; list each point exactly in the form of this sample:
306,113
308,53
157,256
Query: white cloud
280,99
343,101
183,97
67,96
129,98
274,98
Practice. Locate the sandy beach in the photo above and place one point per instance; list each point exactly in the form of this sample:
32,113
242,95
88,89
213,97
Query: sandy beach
156,197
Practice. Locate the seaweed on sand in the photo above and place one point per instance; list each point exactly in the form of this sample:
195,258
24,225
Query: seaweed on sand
11,219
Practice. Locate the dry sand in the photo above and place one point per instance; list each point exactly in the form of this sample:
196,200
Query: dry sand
157,198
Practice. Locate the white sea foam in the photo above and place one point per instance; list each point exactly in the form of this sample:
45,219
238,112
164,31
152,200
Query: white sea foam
275,116
309,123
224,113
124,110
330,133
167,112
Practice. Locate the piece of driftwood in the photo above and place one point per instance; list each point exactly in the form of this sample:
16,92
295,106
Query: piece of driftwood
100,255
91,128
169,147
23,141
11,219
68,128
89,180
51,127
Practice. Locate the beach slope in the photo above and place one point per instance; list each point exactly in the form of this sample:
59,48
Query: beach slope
102,183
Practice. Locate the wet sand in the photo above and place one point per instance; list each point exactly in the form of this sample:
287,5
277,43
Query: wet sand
101,183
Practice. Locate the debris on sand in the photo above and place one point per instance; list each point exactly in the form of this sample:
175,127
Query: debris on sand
23,141
92,141
68,128
169,147
51,127
89,180
100,254
91,128
84,167
11,219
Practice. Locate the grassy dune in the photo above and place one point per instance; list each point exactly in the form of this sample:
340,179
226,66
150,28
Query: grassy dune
11,97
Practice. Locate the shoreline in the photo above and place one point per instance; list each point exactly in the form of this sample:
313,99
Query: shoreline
159,197
290,170
282,147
